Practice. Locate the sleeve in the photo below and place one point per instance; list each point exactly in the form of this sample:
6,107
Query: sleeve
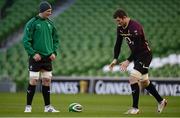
55,40
117,47
27,39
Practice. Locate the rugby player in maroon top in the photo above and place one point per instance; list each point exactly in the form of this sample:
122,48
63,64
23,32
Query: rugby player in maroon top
133,33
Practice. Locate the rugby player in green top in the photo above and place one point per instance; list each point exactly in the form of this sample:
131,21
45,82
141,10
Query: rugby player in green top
40,42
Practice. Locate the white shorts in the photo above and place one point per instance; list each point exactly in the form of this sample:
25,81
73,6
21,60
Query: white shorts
40,74
135,73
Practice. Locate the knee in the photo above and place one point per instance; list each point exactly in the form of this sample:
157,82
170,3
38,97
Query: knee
133,80
33,81
145,83
34,76
134,76
46,82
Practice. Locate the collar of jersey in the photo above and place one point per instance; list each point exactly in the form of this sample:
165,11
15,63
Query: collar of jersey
40,17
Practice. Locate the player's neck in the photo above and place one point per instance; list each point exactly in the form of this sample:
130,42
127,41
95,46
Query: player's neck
41,16
127,22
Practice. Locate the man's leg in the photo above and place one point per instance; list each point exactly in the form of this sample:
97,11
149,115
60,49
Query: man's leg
134,77
152,90
150,87
46,91
31,90
30,93
46,82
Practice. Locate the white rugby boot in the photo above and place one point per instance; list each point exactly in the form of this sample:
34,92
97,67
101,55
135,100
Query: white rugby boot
28,108
132,111
50,108
162,105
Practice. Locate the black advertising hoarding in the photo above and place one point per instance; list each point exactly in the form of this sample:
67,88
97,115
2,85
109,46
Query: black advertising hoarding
167,87
122,87
69,85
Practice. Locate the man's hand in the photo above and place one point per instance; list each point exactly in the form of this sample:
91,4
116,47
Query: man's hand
124,65
52,57
37,57
114,62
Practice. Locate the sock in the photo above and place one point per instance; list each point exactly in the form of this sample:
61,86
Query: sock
135,94
30,93
151,89
46,94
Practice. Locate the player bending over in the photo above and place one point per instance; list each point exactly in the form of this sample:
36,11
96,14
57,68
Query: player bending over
141,55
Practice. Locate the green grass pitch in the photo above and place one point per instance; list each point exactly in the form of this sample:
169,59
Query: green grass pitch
12,105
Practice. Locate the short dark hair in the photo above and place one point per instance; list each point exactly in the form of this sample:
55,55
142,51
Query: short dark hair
119,13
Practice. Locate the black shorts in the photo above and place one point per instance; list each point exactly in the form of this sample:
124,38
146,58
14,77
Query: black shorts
44,64
142,62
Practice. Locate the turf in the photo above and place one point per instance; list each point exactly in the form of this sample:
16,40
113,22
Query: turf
12,105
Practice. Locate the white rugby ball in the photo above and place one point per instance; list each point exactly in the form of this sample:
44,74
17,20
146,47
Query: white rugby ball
75,107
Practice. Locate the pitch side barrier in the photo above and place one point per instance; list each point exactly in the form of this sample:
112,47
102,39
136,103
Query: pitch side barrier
110,85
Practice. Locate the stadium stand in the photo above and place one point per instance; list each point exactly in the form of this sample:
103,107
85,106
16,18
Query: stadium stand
87,35
16,15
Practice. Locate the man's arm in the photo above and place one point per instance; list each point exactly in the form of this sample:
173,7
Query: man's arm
117,49
27,39
55,40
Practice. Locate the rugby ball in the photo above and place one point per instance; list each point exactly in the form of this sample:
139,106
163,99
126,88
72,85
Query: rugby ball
75,107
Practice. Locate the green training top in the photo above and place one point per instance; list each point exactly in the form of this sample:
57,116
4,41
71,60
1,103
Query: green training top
40,36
